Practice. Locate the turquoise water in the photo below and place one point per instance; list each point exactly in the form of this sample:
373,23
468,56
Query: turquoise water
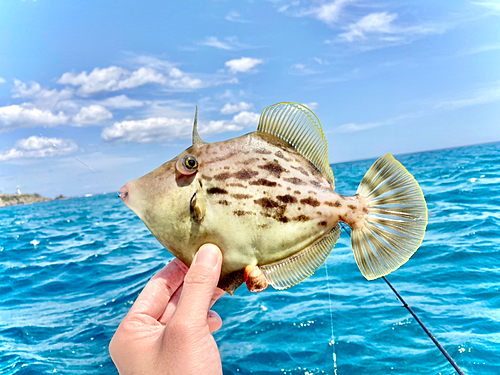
70,270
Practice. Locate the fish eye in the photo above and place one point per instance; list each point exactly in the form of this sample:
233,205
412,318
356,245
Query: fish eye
187,165
190,162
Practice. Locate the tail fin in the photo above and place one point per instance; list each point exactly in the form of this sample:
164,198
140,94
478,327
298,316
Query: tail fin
397,217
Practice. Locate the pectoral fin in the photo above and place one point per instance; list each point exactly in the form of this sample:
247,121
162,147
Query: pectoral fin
255,279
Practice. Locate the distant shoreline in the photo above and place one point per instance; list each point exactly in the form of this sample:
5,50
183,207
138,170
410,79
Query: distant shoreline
7,200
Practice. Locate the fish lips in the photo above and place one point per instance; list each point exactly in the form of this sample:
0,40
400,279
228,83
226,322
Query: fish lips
125,193
128,196
131,196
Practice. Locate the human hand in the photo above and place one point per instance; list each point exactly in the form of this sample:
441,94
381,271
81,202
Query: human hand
169,328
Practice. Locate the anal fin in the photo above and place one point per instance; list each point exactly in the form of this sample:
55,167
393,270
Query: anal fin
293,270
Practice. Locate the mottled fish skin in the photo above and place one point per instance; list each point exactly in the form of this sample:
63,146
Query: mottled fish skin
267,200
264,202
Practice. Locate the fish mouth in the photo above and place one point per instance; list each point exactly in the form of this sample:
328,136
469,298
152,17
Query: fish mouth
128,194
124,193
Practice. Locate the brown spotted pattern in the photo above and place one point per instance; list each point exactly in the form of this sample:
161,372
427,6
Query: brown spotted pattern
257,198
294,180
271,183
274,168
263,182
310,201
282,186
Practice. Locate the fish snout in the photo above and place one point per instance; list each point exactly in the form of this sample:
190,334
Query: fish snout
129,195
125,192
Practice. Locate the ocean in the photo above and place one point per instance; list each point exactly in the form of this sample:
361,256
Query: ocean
71,269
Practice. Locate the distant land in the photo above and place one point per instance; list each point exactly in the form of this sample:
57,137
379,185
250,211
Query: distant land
15,199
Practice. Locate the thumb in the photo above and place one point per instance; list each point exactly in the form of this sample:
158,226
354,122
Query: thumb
199,286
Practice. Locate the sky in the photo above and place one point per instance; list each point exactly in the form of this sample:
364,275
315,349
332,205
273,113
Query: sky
115,84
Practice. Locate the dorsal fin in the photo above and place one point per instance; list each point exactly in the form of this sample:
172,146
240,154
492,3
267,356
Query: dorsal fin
196,137
297,125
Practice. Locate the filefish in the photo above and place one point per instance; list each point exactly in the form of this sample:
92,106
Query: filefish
267,199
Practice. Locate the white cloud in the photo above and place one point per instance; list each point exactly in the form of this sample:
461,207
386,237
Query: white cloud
483,48
233,108
229,44
121,102
243,65
330,12
39,147
165,129
151,130
140,77
111,79
116,78
353,127
378,30
234,16
150,62
92,115
374,30
283,8
21,89
312,106
2,80
169,108
44,98
239,122
25,116
301,70
221,126
379,23
485,96
321,61
212,41
179,80
246,119
493,5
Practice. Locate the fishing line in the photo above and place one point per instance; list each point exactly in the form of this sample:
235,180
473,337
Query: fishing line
332,341
426,330
74,157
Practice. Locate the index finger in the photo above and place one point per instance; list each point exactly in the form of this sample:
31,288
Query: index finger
155,296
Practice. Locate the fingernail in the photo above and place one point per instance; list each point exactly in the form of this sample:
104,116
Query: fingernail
208,255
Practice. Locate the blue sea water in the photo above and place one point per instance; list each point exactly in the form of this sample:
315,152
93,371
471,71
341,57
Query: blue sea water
71,269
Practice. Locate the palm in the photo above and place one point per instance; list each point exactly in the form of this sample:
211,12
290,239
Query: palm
164,332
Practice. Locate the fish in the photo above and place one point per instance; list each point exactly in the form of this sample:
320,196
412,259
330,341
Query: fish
267,199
